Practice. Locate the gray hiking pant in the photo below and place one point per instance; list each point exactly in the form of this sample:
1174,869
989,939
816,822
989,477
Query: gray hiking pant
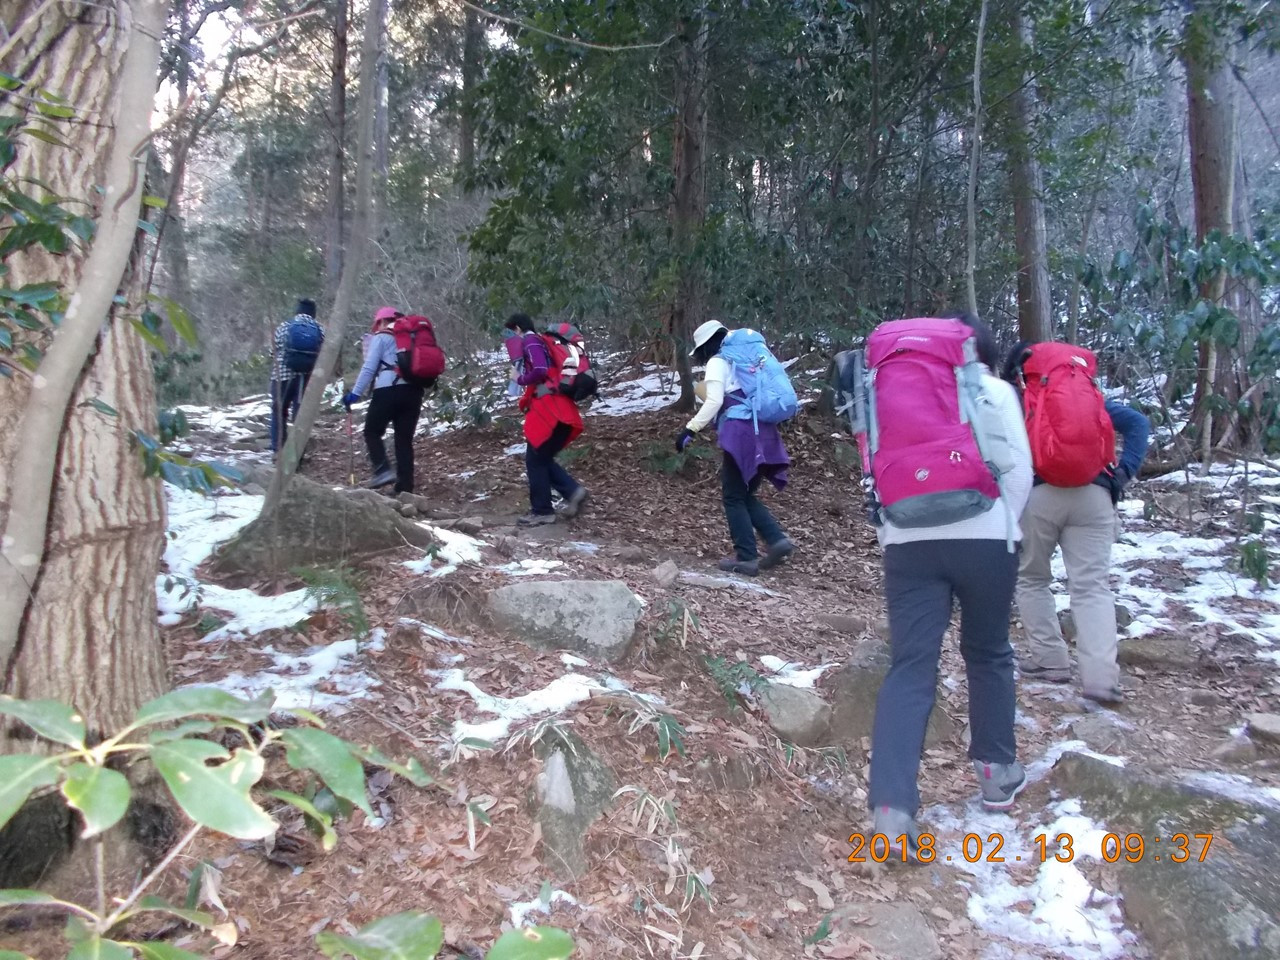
1082,520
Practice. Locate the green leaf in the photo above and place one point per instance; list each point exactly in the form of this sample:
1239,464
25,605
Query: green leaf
412,769
153,201
402,936
24,898
19,775
475,743
101,796
95,948
179,318
147,227
102,407
186,728
479,814
823,931
156,905
332,759
164,951
154,339
532,943
328,839
52,110
13,955
35,133
204,701
216,797
51,719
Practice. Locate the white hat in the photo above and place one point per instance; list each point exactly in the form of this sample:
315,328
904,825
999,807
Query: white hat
704,333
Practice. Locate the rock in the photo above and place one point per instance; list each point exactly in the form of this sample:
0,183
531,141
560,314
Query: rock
797,715
408,510
882,630
573,789
1223,908
841,623
895,930
1124,616
632,555
666,573
734,771
471,526
1264,727
508,546
1207,698
852,692
593,617
1099,730
1235,750
316,524
1172,653
255,489
1067,624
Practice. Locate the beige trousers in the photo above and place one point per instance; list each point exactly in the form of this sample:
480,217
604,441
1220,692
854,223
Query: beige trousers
1082,520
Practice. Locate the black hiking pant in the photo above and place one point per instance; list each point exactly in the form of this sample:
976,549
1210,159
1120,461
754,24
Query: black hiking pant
398,406
545,474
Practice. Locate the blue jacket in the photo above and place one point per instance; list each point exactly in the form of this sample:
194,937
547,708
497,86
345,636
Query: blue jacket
1134,431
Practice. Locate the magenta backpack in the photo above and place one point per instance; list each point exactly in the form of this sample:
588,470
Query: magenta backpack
925,421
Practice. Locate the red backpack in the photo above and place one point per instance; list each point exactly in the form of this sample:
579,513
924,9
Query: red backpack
570,372
1072,439
419,359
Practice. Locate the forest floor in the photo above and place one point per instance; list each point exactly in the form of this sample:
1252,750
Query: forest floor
763,826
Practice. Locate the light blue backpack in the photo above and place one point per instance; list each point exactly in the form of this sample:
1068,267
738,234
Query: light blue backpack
769,396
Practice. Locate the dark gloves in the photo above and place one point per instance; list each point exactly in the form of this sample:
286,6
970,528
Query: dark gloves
1117,480
685,438
349,399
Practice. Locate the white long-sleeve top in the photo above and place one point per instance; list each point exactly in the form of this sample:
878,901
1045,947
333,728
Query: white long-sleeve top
1015,485
719,380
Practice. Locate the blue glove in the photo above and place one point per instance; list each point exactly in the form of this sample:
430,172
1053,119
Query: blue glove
685,438
349,399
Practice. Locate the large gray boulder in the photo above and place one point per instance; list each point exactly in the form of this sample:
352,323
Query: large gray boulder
895,930
852,692
1156,653
573,789
1224,908
316,524
797,715
594,617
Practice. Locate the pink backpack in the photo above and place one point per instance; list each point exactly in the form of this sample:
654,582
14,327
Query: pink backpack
928,424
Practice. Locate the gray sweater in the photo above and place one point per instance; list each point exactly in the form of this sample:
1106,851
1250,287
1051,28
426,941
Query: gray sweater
379,365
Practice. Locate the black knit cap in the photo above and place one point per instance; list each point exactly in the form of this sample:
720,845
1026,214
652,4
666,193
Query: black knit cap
306,306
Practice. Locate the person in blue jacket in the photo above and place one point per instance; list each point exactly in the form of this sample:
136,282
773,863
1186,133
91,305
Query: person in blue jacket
1084,522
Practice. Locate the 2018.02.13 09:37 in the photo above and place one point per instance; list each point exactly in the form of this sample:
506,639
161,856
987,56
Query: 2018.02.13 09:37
1130,847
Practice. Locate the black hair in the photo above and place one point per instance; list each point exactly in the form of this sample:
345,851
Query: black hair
984,340
1013,361
306,306
519,321
709,349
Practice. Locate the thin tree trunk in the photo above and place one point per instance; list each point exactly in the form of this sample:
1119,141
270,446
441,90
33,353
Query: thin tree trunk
971,239
927,121
361,229
335,218
472,50
1035,323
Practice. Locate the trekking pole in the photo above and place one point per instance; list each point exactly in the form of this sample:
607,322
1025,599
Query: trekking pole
351,450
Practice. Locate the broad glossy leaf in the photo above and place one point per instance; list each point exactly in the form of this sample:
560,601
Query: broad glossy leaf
402,936
205,701
184,729
24,898
20,774
101,796
95,948
330,758
214,796
164,951
412,769
328,839
157,905
50,718
532,943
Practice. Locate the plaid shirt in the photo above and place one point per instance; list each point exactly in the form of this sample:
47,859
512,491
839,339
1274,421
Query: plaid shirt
279,372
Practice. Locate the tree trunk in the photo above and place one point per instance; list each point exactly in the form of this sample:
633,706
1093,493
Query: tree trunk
83,527
335,218
689,202
971,237
472,51
353,261
1035,323
1211,131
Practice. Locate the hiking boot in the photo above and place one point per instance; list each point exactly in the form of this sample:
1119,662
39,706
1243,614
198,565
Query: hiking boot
894,823
733,565
536,519
777,553
380,479
574,503
1000,783
1045,674
1109,698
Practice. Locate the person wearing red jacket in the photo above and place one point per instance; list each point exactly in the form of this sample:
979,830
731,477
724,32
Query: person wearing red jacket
551,423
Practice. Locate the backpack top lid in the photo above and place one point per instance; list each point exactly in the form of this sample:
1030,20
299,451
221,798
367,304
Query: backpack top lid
412,321
948,339
1044,357
566,333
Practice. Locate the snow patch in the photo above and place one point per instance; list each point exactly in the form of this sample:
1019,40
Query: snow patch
654,391
294,678
520,911
529,568
792,674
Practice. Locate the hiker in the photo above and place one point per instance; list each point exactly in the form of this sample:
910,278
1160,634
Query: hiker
1073,505
394,402
753,450
551,423
295,347
946,519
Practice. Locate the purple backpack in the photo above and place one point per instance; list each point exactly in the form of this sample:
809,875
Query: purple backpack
924,421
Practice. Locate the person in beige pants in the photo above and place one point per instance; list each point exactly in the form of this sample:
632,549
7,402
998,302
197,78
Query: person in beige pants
1083,521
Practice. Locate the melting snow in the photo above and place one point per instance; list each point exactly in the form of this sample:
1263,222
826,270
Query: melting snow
515,450
520,911
456,549
294,678
529,568
792,674
651,392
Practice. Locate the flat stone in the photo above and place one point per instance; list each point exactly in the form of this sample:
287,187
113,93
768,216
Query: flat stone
408,510
1171,653
895,930
594,617
852,691
1235,750
1207,698
666,574
1124,616
1264,727
633,555
797,715
1099,730
712,582
842,623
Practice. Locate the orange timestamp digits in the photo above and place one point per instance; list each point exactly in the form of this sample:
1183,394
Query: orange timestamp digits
1131,847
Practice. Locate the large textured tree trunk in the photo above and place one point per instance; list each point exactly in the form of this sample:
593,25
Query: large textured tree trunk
472,51
1211,129
1031,237
336,217
83,528
689,202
